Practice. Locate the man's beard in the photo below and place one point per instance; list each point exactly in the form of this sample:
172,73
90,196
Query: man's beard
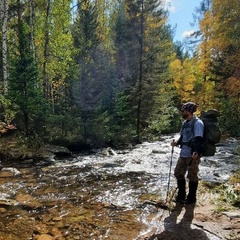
184,116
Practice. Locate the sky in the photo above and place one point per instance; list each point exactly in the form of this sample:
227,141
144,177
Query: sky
181,15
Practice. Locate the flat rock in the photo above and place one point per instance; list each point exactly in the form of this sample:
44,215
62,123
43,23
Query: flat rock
235,214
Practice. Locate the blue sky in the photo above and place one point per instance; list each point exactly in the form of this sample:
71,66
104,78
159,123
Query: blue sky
181,15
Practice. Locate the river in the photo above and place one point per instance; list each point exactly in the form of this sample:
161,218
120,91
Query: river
98,195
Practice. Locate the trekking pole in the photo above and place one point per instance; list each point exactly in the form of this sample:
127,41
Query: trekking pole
169,175
160,204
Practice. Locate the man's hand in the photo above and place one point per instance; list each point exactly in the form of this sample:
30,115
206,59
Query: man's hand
173,143
195,155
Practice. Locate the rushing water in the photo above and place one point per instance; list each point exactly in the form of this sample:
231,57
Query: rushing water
97,195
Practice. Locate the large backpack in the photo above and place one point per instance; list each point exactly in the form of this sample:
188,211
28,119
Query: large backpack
212,133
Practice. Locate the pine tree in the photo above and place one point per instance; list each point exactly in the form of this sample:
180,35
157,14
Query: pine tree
86,41
144,48
24,91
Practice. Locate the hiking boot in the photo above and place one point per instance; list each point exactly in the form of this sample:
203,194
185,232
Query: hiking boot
181,191
180,200
191,198
190,201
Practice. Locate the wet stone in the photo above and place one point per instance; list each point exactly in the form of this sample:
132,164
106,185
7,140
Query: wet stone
45,237
3,210
23,228
9,172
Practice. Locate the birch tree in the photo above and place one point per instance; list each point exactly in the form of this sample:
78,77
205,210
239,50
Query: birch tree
4,27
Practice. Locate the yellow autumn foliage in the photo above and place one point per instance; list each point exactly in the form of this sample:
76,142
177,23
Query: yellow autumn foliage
183,78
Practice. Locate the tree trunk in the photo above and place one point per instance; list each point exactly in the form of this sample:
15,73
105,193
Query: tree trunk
32,25
4,18
46,47
140,77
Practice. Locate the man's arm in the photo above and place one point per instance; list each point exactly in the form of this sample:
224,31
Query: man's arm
198,137
198,145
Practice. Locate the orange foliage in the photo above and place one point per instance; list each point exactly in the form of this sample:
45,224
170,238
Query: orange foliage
4,127
233,86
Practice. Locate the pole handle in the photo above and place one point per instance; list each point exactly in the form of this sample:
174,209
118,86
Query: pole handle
173,146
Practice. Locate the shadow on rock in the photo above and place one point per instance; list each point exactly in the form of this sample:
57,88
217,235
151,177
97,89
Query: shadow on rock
181,230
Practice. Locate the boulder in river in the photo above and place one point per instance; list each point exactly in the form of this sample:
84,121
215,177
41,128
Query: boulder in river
9,172
59,151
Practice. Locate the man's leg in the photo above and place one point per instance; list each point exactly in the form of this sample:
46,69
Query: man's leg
192,198
179,173
193,181
181,183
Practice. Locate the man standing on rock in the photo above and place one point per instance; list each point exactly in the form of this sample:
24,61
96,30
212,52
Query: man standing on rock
190,141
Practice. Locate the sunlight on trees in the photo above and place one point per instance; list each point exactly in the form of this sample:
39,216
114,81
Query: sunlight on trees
111,73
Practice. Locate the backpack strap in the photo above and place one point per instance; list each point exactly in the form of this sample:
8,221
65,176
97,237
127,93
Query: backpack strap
193,124
189,144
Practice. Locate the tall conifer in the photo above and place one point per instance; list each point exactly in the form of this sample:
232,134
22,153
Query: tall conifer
144,49
24,91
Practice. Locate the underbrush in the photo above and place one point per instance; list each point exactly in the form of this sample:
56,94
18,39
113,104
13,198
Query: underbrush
228,193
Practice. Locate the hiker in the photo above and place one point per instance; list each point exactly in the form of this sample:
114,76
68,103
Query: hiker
190,141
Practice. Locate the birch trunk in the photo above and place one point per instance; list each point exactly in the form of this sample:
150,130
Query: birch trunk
4,18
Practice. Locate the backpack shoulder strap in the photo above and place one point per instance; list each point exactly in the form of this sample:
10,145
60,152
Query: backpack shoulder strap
193,124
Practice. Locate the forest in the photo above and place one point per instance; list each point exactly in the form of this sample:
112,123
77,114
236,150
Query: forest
107,72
